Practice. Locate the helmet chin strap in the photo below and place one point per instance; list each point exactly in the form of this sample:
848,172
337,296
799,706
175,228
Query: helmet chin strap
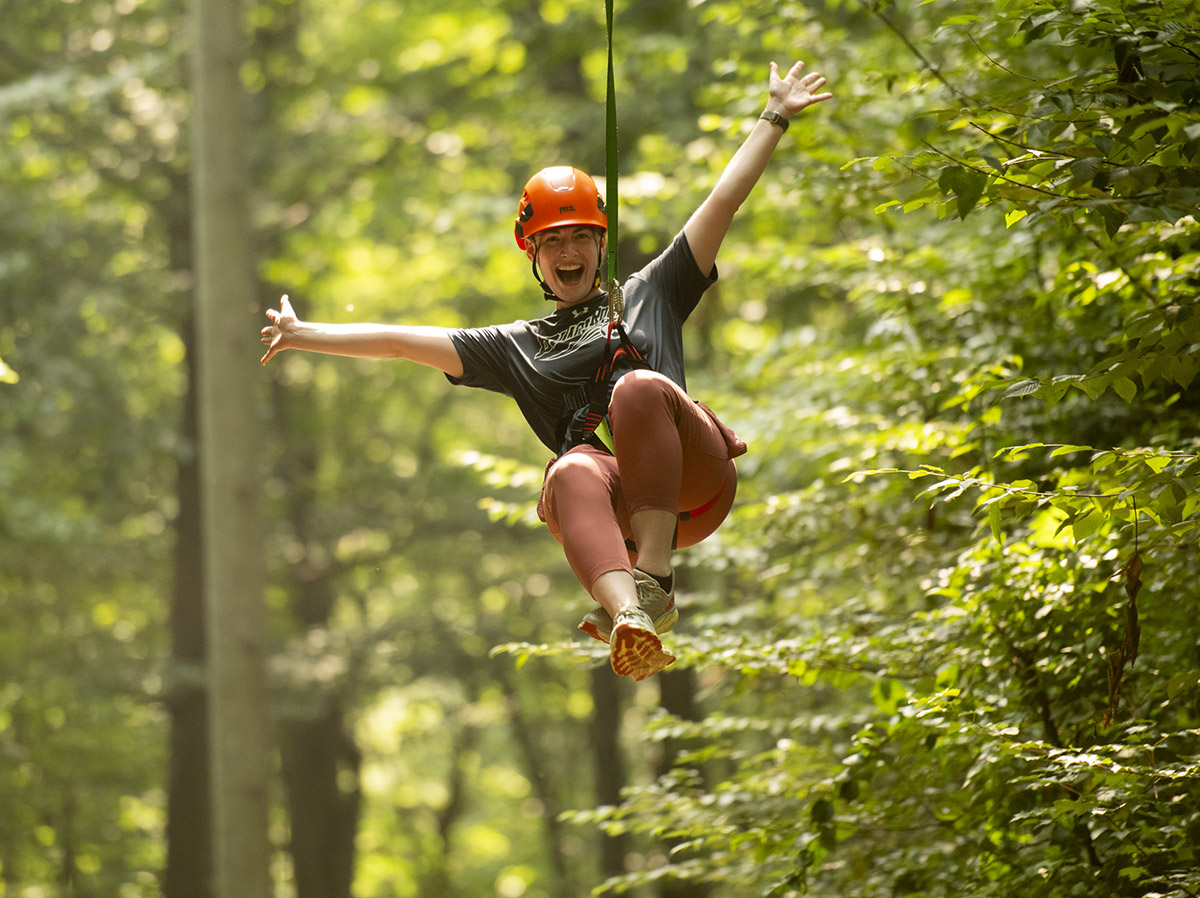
599,258
547,293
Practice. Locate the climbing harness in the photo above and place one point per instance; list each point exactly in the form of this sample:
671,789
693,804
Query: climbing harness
594,424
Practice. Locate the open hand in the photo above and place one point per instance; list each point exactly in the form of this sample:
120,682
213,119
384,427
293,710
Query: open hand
791,93
275,335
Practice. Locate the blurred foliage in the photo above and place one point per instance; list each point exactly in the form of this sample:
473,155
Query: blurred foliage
944,645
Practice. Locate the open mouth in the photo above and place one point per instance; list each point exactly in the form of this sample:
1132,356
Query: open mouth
569,275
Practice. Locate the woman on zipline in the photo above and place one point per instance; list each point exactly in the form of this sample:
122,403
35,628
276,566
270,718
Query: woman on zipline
640,468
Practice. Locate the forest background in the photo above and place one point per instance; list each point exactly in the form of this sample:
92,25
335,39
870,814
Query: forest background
947,643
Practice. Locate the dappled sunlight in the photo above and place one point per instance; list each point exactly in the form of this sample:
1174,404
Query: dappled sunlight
943,645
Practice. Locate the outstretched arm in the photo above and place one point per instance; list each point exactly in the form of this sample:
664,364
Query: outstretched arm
427,345
787,95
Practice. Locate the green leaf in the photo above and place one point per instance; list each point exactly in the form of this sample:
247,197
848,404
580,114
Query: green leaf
1181,683
1156,463
1067,450
1082,528
1113,216
1023,388
968,186
822,811
1125,388
1085,169
926,472
849,790
1012,216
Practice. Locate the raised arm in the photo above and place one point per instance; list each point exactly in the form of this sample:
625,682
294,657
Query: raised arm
787,95
426,345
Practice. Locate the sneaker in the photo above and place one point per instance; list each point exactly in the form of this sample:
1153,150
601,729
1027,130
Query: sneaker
635,649
653,599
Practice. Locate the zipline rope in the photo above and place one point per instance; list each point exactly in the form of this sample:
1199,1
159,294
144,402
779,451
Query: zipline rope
615,300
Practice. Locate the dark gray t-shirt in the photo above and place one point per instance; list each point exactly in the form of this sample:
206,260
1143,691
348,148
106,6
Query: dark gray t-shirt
547,365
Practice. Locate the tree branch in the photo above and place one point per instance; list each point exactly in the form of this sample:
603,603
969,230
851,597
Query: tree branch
931,67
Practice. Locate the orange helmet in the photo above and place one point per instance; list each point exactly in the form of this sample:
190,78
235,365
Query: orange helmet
558,196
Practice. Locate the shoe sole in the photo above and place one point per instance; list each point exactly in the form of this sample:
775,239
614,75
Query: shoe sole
665,623
637,653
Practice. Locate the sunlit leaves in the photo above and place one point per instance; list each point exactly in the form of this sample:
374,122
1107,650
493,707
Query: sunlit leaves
1035,332
1139,488
906,672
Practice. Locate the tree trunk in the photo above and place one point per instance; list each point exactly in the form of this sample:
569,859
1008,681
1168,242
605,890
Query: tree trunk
321,764
189,810
231,534
610,765
320,759
537,766
678,698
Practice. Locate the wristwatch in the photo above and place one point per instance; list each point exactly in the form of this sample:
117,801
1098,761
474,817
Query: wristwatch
775,119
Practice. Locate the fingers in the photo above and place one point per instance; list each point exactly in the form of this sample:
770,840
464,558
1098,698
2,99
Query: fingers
811,83
273,348
271,335
284,311
272,341
793,72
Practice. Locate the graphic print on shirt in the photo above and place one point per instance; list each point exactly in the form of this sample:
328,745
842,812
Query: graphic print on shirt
561,342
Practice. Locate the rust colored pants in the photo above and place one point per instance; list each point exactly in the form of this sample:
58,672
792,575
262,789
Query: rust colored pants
672,454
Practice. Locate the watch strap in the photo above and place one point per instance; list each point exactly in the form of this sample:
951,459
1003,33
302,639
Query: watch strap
775,119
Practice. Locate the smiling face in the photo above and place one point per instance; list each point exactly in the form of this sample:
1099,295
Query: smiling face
569,258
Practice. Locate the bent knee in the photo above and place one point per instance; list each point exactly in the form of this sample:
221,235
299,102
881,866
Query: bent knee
643,385
575,474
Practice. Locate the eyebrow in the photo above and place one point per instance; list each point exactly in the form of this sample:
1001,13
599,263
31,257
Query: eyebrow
569,231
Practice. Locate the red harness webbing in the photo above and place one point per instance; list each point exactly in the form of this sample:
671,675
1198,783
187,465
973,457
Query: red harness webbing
696,512
601,385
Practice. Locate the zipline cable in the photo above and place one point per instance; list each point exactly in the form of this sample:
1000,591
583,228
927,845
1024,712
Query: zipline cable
615,300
